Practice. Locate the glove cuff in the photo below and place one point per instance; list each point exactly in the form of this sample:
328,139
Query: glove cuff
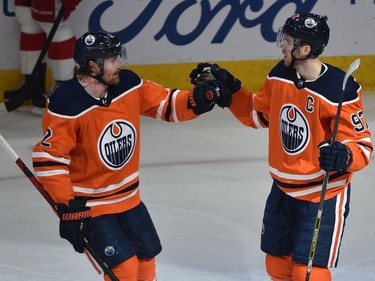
349,160
234,86
75,211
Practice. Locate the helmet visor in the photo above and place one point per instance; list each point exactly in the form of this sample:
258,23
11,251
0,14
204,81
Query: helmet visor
123,55
285,41
281,40
120,53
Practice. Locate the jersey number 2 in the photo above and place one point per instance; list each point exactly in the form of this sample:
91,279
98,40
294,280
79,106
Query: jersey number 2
47,136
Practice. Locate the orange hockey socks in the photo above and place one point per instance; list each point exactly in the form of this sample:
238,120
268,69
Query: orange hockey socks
280,268
147,270
126,271
135,270
317,273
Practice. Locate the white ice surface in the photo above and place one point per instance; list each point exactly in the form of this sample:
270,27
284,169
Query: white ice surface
205,183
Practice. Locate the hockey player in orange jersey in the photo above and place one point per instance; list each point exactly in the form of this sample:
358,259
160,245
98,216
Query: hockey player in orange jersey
88,159
298,103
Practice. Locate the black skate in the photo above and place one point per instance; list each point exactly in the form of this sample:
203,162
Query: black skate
31,89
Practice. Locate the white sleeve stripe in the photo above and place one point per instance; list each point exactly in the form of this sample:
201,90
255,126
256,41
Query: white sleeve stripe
160,109
174,114
366,152
49,156
368,139
362,140
52,173
255,116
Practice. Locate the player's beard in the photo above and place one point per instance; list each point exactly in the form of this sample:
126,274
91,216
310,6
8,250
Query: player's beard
287,60
290,60
112,79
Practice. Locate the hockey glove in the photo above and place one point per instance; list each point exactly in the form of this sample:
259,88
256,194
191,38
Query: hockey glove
202,98
74,221
336,157
201,73
69,5
214,71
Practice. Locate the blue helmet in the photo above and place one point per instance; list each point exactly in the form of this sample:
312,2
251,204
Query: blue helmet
309,28
96,46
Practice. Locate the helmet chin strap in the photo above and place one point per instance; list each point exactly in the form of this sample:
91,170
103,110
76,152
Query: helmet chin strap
99,77
294,59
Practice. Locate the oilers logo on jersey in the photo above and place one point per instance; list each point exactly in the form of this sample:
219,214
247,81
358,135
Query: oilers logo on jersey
116,143
294,129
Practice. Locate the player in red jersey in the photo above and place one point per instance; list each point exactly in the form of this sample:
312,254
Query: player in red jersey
298,103
36,18
88,160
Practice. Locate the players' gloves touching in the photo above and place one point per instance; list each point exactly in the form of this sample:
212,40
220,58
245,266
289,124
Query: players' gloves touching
69,5
202,98
206,71
201,73
336,157
74,220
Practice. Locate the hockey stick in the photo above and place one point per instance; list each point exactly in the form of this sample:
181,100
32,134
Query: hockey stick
16,102
50,201
314,240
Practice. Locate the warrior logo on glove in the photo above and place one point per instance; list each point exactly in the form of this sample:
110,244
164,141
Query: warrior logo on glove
210,95
202,98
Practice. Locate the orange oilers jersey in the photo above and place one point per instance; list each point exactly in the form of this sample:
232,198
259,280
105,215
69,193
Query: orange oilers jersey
91,146
300,114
